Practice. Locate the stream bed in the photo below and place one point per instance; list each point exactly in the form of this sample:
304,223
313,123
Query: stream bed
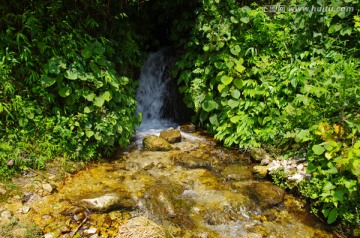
197,189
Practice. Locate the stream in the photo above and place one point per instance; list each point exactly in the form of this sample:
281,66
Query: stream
196,189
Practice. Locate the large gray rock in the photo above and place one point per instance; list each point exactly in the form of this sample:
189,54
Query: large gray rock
171,135
155,143
108,202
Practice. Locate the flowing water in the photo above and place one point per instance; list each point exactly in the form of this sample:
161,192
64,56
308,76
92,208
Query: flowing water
197,189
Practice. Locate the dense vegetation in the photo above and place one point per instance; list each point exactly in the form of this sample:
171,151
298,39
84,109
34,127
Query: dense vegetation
285,81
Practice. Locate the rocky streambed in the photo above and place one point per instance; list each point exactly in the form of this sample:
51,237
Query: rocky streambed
191,188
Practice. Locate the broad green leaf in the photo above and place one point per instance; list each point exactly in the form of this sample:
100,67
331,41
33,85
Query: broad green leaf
107,96
318,149
226,80
332,215
209,105
235,119
240,68
87,52
334,28
87,110
214,120
206,48
23,122
89,133
328,186
233,103
71,74
222,88
235,50
235,93
99,101
99,49
98,136
47,81
90,97
65,91
244,19
239,83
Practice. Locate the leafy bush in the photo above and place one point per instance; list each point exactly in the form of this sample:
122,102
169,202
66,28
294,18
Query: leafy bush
272,79
60,90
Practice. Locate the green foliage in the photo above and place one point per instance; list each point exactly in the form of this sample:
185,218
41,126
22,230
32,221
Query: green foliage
63,90
270,79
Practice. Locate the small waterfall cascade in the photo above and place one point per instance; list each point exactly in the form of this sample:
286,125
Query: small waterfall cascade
152,94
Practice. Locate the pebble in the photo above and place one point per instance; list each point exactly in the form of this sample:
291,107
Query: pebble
19,232
47,187
49,235
90,231
6,214
25,209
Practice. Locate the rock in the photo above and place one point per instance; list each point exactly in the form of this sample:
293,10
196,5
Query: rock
267,194
258,154
188,128
155,143
47,187
260,171
192,162
49,235
20,233
141,227
90,231
65,229
171,135
6,214
25,209
236,173
108,202
10,162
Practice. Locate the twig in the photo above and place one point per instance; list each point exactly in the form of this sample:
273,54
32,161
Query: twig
82,223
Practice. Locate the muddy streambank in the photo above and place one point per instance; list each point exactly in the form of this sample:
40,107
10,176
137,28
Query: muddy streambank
196,189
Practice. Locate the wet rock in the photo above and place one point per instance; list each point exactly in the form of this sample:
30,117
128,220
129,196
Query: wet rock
260,171
141,227
258,154
25,209
192,162
268,195
65,229
6,214
188,128
109,202
236,173
171,135
5,218
47,187
155,143
90,231
49,235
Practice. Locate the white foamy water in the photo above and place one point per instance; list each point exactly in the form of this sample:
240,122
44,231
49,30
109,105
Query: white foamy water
150,95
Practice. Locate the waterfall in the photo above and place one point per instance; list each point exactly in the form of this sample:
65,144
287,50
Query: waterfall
152,93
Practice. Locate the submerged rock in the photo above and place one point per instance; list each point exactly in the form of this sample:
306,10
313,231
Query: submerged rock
260,171
268,194
171,135
155,143
236,173
108,202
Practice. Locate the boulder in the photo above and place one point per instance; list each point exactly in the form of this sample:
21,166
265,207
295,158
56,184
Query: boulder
260,171
188,128
155,143
108,202
171,135
141,227
268,194
258,155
